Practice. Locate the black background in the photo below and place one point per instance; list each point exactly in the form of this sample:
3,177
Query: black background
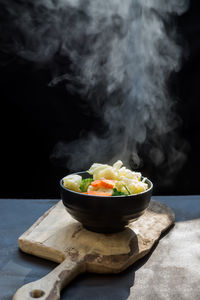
34,117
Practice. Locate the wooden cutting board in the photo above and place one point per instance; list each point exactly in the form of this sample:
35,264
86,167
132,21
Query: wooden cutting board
58,237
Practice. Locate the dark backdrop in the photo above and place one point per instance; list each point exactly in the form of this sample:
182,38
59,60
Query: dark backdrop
35,116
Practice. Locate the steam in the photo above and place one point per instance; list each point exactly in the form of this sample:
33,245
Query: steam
118,55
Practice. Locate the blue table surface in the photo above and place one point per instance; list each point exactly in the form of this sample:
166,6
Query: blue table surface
140,281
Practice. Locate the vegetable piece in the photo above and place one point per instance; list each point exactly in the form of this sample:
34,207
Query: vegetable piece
72,182
129,193
118,165
85,184
96,193
124,172
102,171
103,183
118,193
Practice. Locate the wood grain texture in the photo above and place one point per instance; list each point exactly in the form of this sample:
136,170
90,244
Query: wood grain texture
58,237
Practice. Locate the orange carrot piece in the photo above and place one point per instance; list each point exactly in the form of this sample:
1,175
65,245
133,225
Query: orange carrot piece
96,183
103,183
96,193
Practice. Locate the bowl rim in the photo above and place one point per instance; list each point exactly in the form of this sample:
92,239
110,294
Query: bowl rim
121,196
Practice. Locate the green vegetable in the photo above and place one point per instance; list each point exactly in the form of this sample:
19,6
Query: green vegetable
127,189
117,193
85,184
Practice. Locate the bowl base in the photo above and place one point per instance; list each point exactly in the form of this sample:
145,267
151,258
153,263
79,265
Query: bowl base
104,230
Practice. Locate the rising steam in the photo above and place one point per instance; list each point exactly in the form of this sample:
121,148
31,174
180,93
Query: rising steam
118,55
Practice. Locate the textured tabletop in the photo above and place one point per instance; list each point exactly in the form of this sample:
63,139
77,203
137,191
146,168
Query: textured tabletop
171,271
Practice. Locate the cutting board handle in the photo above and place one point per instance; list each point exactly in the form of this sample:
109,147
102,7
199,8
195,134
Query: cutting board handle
50,286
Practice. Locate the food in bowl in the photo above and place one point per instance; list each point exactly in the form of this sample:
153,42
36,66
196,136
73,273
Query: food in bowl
103,214
107,180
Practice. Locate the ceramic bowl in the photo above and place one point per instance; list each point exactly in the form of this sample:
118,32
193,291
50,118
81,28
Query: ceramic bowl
105,214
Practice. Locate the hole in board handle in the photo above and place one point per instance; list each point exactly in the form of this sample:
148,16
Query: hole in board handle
37,293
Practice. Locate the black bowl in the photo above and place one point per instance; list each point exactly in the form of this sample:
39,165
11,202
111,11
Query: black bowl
105,214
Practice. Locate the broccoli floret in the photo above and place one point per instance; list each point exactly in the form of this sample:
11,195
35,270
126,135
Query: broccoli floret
117,193
85,184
